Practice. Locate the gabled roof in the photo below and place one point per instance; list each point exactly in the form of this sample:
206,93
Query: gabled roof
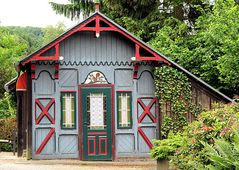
96,18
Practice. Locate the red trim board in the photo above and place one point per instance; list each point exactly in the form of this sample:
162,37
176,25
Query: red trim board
82,27
105,141
94,140
45,141
146,110
146,139
44,110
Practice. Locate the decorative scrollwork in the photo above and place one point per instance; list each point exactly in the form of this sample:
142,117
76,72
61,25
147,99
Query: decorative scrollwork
96,77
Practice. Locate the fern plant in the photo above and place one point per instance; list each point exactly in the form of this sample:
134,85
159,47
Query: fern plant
224,154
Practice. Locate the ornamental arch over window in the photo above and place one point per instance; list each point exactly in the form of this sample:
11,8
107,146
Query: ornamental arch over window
96,77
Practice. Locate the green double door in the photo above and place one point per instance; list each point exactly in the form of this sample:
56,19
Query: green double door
97,118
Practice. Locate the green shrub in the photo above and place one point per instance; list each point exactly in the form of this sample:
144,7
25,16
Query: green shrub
6,132
163,149
210,125
7,106
6,147
224,154
6,128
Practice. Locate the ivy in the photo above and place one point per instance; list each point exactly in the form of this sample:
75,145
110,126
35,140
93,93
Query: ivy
173,88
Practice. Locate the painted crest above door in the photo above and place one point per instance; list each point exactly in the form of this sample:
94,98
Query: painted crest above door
96,77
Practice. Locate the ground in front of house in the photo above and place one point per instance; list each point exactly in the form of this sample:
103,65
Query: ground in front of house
10,162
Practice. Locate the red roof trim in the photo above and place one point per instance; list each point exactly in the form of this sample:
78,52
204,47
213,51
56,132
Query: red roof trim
82,27
56,44
21,83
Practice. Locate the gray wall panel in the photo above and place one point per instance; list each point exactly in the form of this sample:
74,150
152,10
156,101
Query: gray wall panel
125,143
45,85
150,133
124,78
146,84
68,144
41,134
68,78
83,46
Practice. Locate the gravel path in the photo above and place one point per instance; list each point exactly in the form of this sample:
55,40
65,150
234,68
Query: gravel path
10,162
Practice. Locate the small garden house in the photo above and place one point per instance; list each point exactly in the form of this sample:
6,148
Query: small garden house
90,94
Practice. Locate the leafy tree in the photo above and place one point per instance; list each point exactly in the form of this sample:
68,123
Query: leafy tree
12,48
7,106
210,51
50,32
147,16
32,36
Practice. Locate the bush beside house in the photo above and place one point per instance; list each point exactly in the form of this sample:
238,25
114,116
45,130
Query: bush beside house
6,132
215,125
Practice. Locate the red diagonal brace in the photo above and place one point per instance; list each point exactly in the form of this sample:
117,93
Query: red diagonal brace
146,139
147,110
44,142
45,111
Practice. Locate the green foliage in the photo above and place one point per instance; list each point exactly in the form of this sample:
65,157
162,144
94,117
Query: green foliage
163,149
51,32
147,16
209,126
173,88
224,153
7,126
73,9
32,36
7,106
12,48
6,147
15,42
210,50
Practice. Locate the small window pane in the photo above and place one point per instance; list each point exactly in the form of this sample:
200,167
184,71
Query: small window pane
68,110
97,111
124,109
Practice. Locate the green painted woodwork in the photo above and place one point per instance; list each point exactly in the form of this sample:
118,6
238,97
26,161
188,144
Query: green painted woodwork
129,113
73,106
85,106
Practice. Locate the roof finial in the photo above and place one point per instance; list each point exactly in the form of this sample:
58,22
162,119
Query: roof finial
97,5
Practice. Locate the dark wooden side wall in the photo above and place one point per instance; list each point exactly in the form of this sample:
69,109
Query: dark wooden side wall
201,96
21,138
24,119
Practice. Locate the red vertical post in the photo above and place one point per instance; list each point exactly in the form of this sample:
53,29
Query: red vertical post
137,55
33,68
97,27
57,53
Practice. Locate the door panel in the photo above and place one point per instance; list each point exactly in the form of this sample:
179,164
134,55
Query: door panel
45,126
147,121
97,135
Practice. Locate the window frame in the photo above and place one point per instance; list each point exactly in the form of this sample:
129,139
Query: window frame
61,99
129,93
